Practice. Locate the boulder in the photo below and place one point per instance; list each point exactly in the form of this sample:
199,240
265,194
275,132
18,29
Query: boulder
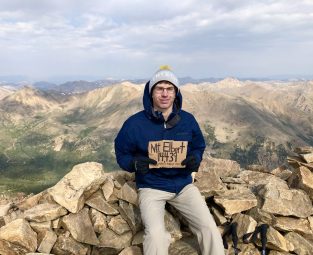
98,202
8,248
44,212
20,233
246,224
107,188
80,227
308,157
47,242
172,225
66,245
118,225
301,245
131,214
233,201
291,224
277,241
132,250
185,246
223,167
98,220
208,182
302,178
110,239
255,179
75,187
128,193
285,202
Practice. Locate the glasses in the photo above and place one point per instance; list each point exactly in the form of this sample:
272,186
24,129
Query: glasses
160,90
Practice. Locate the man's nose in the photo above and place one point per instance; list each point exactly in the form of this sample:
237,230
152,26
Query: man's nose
164,92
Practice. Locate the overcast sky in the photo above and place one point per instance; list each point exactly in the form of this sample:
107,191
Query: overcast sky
132,38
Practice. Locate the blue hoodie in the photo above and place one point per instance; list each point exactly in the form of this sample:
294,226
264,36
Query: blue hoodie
149,125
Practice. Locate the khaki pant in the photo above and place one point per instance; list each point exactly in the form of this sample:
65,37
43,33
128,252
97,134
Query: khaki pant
192,206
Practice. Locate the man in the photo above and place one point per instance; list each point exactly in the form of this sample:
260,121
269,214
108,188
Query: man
163,119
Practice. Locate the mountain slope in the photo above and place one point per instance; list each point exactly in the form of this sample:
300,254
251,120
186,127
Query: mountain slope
252,122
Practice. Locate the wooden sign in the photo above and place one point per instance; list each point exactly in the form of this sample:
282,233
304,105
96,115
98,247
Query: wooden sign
168,153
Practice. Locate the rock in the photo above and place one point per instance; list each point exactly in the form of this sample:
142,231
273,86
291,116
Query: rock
223,167
261,216
308,157
218,216
276,241
233,180
110,239
272,252
302,178
185,246
208,182
98,220
75,187
301,245
128,193
107,188
41,229
80,227
132,250
8,248
47,242
20,233
297,161
66,245
4,209
14,215
246,224
285,202
246,249
55,223
172,226
138,238
30,202
118,225
233,202
255,179
303,150
114,197
44,212
98,202
282,172
257,168
131,214
38,253
104,251
291,224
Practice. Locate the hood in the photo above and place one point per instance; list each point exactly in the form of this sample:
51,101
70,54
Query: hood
148,106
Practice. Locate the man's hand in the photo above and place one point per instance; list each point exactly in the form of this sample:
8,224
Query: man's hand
141,164
191,163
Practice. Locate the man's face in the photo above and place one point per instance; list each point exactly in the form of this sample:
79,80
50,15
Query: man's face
163,95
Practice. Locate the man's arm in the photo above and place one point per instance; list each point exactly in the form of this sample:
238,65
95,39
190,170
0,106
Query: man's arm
125,148
197,145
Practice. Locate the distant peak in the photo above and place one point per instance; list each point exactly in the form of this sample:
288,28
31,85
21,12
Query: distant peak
229,82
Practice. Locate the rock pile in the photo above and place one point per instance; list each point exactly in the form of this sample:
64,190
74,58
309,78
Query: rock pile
90,212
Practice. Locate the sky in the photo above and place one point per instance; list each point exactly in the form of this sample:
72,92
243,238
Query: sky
131,39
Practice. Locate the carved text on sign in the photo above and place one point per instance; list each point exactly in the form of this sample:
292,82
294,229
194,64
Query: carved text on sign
168,153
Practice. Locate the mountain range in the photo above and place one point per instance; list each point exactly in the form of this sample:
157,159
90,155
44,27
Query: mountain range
45,131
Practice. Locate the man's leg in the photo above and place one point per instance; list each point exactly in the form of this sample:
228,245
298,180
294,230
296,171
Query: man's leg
193,207
152,209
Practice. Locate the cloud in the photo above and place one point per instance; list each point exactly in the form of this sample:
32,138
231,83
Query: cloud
143,34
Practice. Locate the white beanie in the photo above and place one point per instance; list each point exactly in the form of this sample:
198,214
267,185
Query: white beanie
163,74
